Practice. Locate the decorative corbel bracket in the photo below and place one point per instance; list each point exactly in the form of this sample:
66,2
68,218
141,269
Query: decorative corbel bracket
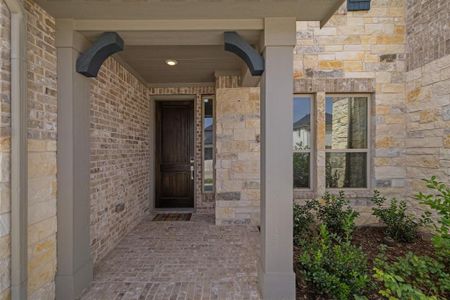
236,44
89,62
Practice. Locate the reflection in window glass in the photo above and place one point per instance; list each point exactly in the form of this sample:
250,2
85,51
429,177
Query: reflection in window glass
346,170
302,123
208,144
346,141
301,169
346,122
302,141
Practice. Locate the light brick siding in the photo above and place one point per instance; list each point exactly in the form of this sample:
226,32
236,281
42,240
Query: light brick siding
121,138
237,155
122,153
42,134
428,31
5,150
428,92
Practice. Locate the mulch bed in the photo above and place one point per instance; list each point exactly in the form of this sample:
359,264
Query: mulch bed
369,239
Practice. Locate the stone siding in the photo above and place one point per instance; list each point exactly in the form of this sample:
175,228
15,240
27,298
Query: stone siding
42,134
121,138
237,156
5,151
359,52
428,124
427,93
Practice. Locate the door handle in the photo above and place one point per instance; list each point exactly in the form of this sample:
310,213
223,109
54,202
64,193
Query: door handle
192,172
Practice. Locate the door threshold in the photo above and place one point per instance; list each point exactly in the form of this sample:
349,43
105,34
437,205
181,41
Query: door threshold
172,210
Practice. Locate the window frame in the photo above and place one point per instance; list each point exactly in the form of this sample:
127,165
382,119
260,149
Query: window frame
312,151
364,150
213,98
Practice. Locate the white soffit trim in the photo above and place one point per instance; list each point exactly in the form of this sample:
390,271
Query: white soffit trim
302,10
168,25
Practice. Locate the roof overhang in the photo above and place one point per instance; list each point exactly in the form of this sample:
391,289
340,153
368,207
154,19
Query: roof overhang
302,10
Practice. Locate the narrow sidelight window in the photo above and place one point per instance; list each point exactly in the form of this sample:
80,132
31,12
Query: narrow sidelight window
208,143
347,139
302,138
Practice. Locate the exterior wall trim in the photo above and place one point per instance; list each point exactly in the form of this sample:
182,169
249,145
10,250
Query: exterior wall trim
168,25
19,166
339,85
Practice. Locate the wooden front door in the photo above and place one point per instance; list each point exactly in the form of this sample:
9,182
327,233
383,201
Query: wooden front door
174,154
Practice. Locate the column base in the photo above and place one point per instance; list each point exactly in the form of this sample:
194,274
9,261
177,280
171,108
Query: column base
276,286
70,287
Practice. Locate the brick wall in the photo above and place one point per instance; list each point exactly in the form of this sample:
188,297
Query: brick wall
5,150
428,92
42,134
121,140
428,31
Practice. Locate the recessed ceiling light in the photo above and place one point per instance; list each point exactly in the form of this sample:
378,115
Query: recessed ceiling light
171,62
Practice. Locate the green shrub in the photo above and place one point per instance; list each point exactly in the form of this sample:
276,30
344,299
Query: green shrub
303,221
400,225
412,277
439,201
335,213
333,266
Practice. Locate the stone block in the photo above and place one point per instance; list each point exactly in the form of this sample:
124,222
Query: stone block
229,196
330,64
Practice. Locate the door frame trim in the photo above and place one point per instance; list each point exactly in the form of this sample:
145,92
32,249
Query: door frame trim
163,98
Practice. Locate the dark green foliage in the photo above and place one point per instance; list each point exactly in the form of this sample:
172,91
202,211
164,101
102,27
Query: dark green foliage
333,266
400,225
301,170
439,201
422,277
412,277
335,212
303,221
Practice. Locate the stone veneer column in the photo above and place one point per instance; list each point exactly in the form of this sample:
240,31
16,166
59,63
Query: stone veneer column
275,272
74,262
320,143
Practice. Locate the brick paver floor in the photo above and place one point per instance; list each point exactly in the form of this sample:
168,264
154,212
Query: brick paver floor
180,260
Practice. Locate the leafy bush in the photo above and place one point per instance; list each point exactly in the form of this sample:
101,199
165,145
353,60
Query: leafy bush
412,277
303,221
335,213
439,201
400,225
333,266
422,277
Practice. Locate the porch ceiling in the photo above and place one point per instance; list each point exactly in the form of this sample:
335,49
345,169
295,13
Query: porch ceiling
304,10
199,54
195,63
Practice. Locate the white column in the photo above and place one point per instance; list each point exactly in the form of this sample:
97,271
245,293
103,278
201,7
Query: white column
75,270
276,275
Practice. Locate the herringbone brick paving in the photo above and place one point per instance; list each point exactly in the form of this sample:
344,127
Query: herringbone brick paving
180,260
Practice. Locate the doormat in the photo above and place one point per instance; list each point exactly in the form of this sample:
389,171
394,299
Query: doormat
172,217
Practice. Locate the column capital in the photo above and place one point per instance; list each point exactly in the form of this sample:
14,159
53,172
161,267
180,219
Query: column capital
279,31
67,37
